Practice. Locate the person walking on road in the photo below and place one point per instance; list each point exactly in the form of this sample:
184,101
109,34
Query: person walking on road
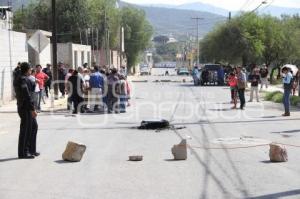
264,72
27,113
287,85
241,84
254,78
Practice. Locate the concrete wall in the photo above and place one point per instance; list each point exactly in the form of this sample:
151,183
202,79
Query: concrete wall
19,53
74,54
64,53
84,55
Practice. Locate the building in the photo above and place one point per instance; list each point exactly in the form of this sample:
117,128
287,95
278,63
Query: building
74,55
99,58
13,49
6,16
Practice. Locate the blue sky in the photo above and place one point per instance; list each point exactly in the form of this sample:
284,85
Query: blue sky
227,4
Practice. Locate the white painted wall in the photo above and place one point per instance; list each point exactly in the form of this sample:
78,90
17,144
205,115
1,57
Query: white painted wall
66,54
18,54
83,54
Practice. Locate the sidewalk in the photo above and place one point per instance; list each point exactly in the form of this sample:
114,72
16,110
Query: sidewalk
47,107
271,88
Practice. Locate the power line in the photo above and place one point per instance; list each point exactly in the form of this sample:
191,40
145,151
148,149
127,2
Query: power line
244,5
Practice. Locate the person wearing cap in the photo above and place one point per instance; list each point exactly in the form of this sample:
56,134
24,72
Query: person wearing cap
26,111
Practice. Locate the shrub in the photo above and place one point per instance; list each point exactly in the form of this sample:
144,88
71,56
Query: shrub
295,100
278,97
270,95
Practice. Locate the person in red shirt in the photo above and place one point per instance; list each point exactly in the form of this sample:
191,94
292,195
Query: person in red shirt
232,81
41,78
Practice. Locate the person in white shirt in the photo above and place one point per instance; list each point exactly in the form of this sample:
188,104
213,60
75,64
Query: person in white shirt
35,94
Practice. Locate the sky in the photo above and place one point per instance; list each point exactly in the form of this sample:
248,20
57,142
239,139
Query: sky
227,4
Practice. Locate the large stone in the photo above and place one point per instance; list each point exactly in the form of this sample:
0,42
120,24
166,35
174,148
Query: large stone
179,151
278,153
73,152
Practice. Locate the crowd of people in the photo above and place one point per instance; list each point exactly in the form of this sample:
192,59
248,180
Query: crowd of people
237,80
96,89
88,90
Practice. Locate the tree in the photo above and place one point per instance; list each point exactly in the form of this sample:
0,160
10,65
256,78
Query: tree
105,16
168,51
254,39
72,16
138,32
161,39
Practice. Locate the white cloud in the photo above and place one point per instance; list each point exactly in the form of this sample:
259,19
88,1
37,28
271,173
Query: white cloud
227,4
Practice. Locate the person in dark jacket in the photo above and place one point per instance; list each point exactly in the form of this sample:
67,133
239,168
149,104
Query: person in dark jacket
75,90
26,111
48,83
61,77
113,91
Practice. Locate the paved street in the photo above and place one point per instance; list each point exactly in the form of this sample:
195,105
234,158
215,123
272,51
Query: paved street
215,168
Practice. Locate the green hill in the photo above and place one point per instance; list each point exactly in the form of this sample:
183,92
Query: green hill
179,22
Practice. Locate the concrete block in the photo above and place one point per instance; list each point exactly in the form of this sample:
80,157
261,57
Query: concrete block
278,153
73,152
179,151
136,158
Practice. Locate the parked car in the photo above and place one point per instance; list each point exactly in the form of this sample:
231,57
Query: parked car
212,74
183,71
144,71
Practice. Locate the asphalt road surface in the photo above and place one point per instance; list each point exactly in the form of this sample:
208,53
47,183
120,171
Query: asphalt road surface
218,164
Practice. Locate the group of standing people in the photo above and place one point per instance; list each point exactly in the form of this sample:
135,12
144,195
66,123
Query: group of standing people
237,80
97,90
238,83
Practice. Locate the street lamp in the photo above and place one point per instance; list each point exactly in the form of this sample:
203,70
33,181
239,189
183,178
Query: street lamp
262,3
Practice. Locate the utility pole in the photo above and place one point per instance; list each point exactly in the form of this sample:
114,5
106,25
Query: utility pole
198,50
54,49
107,50
10,24
121,44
